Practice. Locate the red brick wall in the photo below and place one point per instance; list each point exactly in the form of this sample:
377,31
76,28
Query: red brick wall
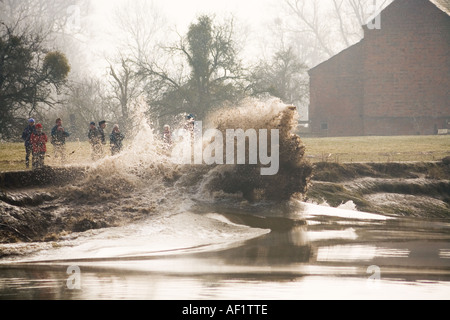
407,70
394,82
336,95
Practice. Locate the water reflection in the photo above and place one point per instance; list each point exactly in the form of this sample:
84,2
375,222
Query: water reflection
275,248
358,252
304,257
111,284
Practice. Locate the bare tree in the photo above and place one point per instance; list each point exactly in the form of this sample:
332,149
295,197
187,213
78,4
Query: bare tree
328,26
52,18
61,24
125,84
136,29
31,76
307,14
141,24
284,76
88,100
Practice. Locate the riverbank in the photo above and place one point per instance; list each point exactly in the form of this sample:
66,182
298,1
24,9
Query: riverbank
329,149
420,189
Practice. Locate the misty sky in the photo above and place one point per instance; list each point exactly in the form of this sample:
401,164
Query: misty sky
253,15
183,12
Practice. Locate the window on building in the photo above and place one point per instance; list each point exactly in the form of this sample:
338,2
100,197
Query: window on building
324,126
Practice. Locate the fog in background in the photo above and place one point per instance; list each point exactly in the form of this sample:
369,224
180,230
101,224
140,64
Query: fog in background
122,50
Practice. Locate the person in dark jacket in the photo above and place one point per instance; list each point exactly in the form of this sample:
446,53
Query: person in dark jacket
26,135
38,141
59,135
95,141
115,140
101,129
102,138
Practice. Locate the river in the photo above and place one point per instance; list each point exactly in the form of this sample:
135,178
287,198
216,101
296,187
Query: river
188,239
316,253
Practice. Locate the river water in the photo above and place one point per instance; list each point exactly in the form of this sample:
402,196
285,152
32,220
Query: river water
200,242
316,253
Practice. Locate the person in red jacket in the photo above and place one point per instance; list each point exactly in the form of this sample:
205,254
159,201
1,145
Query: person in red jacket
38,142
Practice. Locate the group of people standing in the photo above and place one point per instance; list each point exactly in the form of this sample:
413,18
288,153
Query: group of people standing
97,139
36,142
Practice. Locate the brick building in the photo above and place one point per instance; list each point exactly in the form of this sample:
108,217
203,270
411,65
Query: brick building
395,81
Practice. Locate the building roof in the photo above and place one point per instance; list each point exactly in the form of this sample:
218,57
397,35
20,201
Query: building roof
443,5
347,50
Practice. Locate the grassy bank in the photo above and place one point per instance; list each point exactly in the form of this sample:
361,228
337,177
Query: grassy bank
12,155
378,149
341,150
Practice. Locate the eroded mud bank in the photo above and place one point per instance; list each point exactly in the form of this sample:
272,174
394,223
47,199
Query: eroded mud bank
32,208
406,189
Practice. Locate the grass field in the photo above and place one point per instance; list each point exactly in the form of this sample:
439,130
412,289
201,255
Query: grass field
342,150
377,149
12,155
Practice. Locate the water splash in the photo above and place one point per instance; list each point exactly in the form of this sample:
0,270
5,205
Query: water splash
143,180
294,172
146,161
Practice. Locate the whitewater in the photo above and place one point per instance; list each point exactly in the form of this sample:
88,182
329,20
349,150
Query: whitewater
143,226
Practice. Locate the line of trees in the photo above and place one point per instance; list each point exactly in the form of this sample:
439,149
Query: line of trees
192,72
29,76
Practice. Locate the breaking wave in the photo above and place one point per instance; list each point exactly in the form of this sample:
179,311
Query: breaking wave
143,187
147,164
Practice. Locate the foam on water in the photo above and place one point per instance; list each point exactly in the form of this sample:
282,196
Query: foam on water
143,183
147,164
